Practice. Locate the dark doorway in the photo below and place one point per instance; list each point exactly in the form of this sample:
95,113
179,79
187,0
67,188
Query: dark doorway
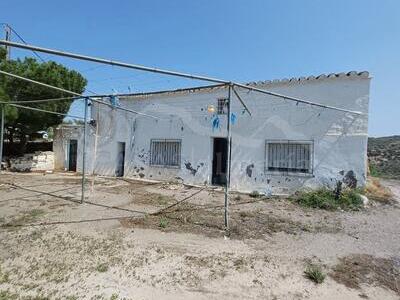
119,172
219,161
72,155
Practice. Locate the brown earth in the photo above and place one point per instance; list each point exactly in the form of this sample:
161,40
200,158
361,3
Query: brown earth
118,245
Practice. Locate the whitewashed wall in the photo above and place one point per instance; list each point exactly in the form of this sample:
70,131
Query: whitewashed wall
340,139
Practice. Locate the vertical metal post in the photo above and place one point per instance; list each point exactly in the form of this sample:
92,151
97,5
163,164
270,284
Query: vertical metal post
84,151
228,157
8,38
1,135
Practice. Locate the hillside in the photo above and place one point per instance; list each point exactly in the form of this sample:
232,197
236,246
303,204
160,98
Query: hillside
384,156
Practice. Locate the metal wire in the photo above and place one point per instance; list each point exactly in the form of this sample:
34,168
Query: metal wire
42,110
167,72
44,100
74,93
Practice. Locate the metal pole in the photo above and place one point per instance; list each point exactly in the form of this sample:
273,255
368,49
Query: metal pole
298,100
73,93
228,158
8,38
84,152
111,62
167,72
1,135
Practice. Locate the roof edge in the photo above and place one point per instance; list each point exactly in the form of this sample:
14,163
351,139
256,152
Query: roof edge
321,77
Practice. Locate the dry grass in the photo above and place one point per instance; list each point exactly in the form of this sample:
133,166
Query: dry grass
376,191
356,270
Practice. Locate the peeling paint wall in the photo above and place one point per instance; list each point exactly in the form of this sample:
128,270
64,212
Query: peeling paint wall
339,139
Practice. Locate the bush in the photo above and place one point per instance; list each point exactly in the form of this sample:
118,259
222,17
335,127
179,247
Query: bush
163,223
348,199
255,194
102,268
314,273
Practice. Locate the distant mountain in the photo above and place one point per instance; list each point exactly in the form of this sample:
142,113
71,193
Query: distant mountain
384,156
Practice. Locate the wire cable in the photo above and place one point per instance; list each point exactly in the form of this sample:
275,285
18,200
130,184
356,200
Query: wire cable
43,110
44,100
74,93
22,40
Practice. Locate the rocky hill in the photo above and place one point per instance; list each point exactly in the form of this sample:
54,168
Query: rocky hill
384,156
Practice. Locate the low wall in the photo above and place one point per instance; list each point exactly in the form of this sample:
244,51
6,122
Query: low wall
31,147
39,161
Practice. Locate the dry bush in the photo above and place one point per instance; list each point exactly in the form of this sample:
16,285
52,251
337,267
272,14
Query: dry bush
374,190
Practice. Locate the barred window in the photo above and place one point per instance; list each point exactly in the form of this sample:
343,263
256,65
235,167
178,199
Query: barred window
222,106
289,156
165,153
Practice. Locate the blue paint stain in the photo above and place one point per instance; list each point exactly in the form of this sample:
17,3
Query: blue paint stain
215,123
114,100
233,118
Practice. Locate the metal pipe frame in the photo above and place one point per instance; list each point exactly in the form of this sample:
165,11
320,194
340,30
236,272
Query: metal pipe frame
111,62
167,72
228,168
297,100
2,134
40,110
84,151
73,93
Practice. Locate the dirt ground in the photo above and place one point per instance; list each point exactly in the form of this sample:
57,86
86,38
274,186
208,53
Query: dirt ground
123,244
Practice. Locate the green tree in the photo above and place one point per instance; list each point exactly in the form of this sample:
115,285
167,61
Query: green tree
21,123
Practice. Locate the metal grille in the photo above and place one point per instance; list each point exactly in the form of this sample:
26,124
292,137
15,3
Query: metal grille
165,153
289,157
222,106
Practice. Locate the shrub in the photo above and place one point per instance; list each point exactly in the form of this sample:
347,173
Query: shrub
102,268
314,273
163,223
255,194
323,198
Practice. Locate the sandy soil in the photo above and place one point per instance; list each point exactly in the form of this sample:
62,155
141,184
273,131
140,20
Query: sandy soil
116,246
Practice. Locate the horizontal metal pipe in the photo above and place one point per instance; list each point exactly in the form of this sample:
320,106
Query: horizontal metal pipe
44,100
122,108
40,83
166,72
73,93
296,99
41,110
111,62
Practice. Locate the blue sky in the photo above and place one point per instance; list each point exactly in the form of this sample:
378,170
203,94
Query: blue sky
236,40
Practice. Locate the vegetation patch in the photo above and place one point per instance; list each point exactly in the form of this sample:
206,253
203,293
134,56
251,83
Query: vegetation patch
103,267
26,218
384,156
314,273
255,194
355,270
376,191
163,223
324,198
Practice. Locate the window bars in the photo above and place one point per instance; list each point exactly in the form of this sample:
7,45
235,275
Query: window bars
289,156
165,153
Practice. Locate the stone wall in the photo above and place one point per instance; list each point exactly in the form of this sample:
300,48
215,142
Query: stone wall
38,161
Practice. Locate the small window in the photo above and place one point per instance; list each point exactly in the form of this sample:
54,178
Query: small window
289,156
222,106
165,153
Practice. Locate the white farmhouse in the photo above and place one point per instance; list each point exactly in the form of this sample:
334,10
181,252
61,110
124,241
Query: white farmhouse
281,147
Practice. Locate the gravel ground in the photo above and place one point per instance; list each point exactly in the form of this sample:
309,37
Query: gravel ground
113,246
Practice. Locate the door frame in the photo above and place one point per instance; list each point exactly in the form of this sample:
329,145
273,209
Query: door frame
123,159
213,138
68,160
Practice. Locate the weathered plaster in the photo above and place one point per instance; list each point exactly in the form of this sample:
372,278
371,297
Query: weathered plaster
339,139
